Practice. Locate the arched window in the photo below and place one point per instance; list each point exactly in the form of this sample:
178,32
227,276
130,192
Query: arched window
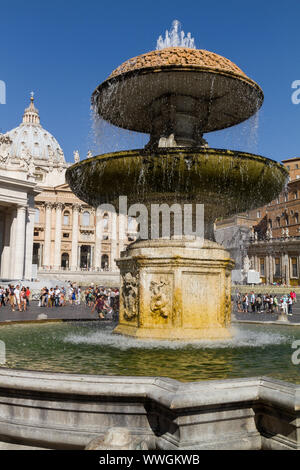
65,260
86,218
37,216
66,218
105,221
105,262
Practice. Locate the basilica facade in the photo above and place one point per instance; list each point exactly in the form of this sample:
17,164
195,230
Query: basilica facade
45,230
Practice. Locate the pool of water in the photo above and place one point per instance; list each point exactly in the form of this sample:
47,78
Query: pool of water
91,348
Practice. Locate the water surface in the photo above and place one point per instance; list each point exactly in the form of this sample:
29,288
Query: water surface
91,348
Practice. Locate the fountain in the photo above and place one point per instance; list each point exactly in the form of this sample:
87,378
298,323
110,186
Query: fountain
175,94
177,288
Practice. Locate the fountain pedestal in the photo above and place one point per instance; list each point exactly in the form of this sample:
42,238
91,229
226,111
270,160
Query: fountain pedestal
175,289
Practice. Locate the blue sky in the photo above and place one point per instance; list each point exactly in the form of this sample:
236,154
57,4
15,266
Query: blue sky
63,50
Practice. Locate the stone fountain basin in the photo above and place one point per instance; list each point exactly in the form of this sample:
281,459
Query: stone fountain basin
224,98
225,181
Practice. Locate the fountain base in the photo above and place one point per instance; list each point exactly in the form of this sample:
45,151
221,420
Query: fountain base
175,289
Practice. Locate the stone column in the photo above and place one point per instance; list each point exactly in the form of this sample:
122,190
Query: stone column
74,253
98,238
78,257
257,263
2,218
47,242
92,261
57,245
113,255
5,262
12,242
285,268
267,269
271,269
20,243
29,243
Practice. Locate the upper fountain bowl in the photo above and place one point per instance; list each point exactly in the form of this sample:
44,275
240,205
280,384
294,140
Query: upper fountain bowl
206,88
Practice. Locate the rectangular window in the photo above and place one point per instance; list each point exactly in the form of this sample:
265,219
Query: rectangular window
277,267
262,266
294,267
66,235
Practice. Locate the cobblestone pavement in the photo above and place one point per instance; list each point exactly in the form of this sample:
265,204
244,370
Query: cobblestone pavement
265,317
78,312
69,312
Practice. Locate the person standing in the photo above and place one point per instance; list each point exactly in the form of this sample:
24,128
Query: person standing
258,303
27,296
11,297
45,297
23,302
275,303
238,301
78,300
17,297
290,305
284,304
70,294
2,297
252,302
57,296
99,306
245,303
271,304
51,297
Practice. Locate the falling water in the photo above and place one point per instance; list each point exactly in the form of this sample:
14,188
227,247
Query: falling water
175,38
104,137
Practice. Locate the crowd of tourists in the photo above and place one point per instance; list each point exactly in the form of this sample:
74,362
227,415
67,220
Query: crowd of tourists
105,301
15,296
102,300
53,297
265,303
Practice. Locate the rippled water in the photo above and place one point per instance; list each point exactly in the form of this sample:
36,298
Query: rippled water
91,348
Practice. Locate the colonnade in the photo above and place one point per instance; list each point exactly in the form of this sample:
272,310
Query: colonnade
53,236
16,241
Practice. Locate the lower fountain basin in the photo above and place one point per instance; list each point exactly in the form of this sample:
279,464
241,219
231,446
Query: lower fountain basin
225,181
92,348
54,410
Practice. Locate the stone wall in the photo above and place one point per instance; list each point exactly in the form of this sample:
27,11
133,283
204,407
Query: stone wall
83,278
62,411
